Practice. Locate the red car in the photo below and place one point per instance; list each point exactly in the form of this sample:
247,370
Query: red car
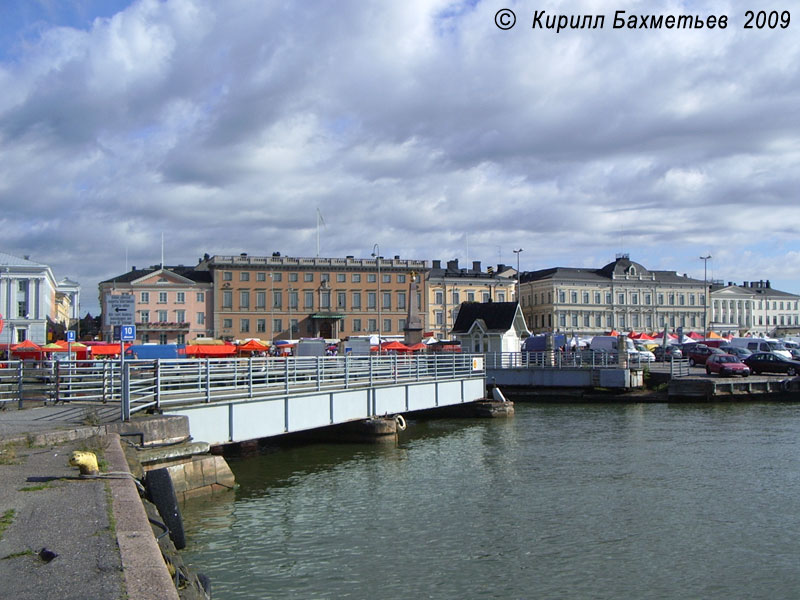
700,354
726,365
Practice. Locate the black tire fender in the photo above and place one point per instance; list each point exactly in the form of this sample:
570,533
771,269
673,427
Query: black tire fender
161,492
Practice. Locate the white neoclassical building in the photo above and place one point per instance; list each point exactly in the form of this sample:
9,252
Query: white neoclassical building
753,308
29,297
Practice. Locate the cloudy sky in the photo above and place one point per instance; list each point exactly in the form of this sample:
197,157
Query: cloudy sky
417,125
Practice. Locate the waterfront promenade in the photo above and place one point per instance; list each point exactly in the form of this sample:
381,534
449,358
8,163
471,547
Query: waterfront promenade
63,537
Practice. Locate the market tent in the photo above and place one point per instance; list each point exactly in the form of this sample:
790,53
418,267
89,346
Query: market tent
53,347
613,332
714,336
210,350
417,347
396,346
27,350
253,346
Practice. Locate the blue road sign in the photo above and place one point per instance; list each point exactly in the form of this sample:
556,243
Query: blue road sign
70,336
127,333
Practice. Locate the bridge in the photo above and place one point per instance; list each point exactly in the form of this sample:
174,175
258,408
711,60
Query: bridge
240,399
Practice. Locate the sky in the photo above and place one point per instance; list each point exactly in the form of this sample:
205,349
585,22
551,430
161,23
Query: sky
420,126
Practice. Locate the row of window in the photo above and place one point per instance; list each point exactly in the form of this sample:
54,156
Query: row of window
610,321
751,305
607,298
356,326
324,299
308,277
163,297
162,316
456,296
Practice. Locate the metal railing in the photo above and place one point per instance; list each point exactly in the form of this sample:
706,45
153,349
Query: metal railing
157,384
559,360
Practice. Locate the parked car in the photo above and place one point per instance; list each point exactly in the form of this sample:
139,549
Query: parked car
645,355
700,353
737,351
795,353
769,362
667,352
726,365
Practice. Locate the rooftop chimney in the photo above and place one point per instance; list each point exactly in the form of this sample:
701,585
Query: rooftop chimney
768,285
437,264
452,265
476,265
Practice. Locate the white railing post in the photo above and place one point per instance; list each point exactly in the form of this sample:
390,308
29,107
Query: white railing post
125,392
208,381
157,383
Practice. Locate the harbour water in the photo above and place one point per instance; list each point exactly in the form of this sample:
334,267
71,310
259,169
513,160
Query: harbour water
561,501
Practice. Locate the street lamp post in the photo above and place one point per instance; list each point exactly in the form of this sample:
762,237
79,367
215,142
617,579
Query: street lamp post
289,302
271,308
519,277
705,294
376,252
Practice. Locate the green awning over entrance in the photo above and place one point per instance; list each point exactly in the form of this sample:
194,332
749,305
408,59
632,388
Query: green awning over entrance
327,315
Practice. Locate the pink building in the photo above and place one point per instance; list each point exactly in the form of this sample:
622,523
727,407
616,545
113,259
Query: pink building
173,304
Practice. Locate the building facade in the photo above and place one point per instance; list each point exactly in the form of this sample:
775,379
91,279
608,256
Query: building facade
28,300
622,295
173,305
754,308
282,297
447,287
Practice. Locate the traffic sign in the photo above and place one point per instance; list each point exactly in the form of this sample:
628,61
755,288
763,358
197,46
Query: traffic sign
70,335
120,309
127,333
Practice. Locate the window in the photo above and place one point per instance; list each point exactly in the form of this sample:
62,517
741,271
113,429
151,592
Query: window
357,300
401,300
341,278
681,299
387,300
562,296
227,276
244,325
162,297
261,325
308,299
180,316
144,316
180,297
372,300
672,299
277,325
277,299
439,317
145,338
470,296
439,299
261,276
356,324
661,299
586,320
261,300
356,278
456,297
227,323
181,338
341,300
244,299
597,297
621,298
648,299
201,297
574,320
598,320
323,277
244,276
574,297
634,298
372,325
562,320
371,278
325,299
485,296
691,299
277,277
501,296
162,338
162,316
387,325
586,297
308,277
144,297
401,325
609,299
293,277
386,278
293,327
401,278
201,318
293,299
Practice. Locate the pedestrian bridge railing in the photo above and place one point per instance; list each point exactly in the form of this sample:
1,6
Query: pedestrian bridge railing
559,360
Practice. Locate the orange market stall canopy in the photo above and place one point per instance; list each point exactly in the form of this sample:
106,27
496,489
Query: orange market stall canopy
210,350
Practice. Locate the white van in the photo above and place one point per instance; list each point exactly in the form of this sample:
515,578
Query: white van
761,345
608,343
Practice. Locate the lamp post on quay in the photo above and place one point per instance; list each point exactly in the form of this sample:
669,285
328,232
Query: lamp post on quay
376,252
705,294
519,277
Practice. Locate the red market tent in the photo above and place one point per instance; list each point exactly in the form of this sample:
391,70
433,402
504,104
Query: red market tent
105,349
27,350
396,346
696,336
417,347
210,350
253,346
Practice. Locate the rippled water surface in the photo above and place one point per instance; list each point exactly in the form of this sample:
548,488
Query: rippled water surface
561,501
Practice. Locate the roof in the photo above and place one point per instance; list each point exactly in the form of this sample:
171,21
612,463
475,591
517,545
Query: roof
622,269
453,270
187,272
9,260
498,316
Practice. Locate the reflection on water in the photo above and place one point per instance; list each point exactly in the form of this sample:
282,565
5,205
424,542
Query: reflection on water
561,501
